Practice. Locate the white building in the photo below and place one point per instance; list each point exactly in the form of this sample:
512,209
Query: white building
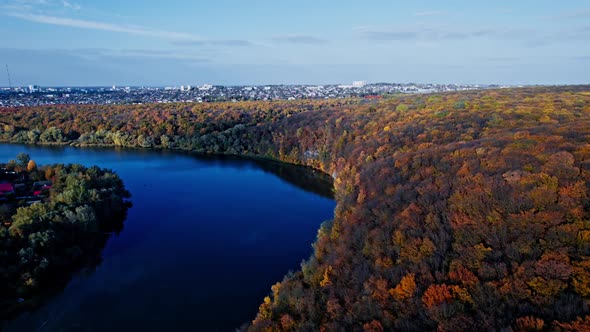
359,84
355,84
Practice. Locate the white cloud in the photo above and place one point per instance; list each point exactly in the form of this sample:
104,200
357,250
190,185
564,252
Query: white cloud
24,4
51,12
94,25
299,39
136,54
71,5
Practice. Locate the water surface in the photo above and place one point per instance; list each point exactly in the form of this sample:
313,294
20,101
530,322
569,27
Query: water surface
203,243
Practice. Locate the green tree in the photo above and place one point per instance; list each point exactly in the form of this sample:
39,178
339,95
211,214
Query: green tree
33,136
402,108
52,134
23,159
165,141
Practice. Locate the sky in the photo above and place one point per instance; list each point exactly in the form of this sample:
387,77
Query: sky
237,42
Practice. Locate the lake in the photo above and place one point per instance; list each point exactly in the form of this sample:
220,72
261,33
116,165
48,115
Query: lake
205,240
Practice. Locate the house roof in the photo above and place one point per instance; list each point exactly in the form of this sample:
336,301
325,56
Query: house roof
4,187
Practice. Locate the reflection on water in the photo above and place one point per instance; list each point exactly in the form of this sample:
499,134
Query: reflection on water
204,241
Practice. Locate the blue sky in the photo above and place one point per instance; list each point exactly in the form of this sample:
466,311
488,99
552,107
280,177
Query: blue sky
149,42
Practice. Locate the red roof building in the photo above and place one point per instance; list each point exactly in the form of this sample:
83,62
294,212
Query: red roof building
6,188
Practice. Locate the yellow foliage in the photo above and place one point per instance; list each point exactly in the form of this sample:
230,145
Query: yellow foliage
361,196
584,237
581,278
462,294
31,166
326,280
405,289
264,310
546,287
384,262
276,288
481,250
546,119
427,247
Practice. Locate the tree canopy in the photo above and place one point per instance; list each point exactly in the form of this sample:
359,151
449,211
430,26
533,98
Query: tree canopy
43,241
456,211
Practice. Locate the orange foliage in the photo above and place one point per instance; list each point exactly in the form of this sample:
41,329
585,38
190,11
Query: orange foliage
477,200
436,295
405,289
529,324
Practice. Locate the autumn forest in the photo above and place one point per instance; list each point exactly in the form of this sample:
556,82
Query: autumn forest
455,211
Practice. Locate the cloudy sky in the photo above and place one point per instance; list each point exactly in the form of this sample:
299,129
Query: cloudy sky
154,42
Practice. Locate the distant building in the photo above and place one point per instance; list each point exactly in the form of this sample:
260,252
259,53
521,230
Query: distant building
355,84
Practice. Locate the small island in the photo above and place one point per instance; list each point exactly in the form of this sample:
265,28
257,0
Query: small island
54,220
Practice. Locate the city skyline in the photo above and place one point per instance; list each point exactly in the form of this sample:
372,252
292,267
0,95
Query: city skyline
149,43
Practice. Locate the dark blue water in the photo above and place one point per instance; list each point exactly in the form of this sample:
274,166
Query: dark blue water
205,240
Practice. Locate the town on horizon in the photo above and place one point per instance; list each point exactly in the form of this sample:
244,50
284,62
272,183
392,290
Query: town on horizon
34,95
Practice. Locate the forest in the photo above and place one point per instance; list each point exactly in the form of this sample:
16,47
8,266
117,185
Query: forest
455,211
54,219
